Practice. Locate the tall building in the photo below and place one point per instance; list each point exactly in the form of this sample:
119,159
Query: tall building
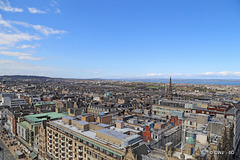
74,139
169,96
29,126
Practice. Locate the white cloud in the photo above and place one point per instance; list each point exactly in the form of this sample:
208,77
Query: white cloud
5,6
206,75
3,48
28,46
149,75
21,55
154,74
11,67
31,58
16,54
222,73
54,3
42,29
35,10
47,30
58,10
4,23
10,36
11,39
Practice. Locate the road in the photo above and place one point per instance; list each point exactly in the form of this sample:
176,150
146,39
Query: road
7,154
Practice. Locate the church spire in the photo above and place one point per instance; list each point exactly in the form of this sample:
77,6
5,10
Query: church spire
170,90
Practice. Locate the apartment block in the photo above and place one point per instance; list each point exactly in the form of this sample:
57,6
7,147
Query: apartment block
74,139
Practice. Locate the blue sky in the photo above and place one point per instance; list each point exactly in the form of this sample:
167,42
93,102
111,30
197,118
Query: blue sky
120,38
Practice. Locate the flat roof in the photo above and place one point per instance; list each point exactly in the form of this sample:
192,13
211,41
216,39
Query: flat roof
103,125
90,133
112,133
24,124
81,122
68,118
35,118
118,121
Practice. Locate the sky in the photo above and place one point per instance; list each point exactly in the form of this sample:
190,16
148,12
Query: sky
120,38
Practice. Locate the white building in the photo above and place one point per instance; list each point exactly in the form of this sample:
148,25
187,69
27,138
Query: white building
17,102
9,124
22,130
12,102
3,114
10,99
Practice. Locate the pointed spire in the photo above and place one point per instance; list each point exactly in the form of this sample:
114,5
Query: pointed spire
170,89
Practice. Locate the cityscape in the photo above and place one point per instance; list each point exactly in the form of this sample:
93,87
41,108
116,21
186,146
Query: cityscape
119,80
49,118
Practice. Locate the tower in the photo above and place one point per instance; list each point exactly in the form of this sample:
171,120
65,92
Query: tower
43,141
170,90
190,146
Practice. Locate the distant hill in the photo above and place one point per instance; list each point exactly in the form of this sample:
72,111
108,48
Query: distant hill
38,78
22,77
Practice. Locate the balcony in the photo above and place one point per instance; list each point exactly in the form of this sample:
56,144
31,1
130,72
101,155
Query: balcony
56,147
63,140
80,156
80,150
70,145
49,134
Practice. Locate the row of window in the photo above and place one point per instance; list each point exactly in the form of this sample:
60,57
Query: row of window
86,143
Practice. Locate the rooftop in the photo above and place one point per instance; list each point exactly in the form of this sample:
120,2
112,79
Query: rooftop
36,118
103,125
24,124
43,103
124,130
113,133
81,122
69,118
90,133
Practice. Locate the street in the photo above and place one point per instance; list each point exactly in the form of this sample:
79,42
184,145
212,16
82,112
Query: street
7,154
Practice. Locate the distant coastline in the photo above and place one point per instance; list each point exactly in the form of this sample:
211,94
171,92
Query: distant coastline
235,82
191,81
